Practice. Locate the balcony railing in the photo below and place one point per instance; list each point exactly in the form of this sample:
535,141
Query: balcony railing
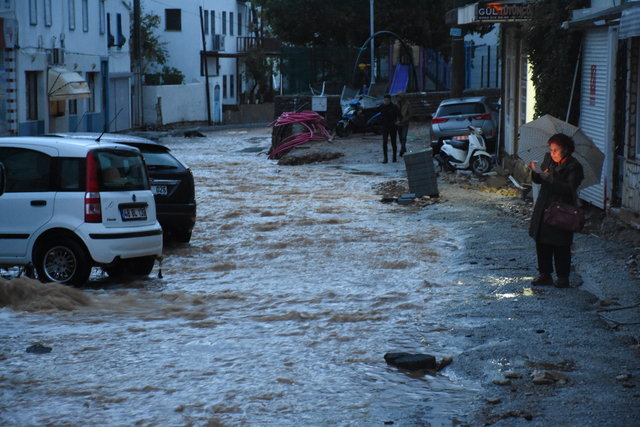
244,44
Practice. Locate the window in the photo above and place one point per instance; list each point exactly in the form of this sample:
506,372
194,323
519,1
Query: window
230,23
231,86
224,22
121,38
72,174
205,20
224,86
121,170
33,12
111,41
101,17
212,67
91,82
172,20
32,94
213,22
47,13
72,14
57,108
27,170
85,15
239,24
73,107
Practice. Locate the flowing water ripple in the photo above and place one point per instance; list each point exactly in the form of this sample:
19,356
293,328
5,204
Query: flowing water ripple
295,284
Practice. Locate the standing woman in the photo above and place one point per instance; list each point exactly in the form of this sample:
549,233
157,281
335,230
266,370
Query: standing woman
560,175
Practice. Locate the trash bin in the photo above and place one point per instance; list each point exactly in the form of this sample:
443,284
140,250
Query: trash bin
421,173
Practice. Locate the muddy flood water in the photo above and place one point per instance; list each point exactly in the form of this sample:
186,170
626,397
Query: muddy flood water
296,283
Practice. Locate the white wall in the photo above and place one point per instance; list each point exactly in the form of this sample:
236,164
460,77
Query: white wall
178,103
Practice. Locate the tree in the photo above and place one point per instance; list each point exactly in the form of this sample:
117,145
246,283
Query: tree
346,23
154,52
553,52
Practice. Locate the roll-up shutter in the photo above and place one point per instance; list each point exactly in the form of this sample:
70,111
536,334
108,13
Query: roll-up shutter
598,67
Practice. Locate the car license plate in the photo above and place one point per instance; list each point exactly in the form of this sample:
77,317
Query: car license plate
159,190
132,214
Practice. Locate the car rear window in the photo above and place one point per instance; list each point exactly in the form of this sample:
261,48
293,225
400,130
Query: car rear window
461,109
157,159
121,170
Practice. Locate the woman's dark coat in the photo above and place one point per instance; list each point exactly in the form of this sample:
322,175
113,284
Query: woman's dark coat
559,184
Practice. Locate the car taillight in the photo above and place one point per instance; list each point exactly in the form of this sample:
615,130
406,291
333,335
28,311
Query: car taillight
461,137
485,116
437,120
92,206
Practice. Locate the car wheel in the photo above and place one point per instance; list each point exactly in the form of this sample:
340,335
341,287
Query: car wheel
62,260
480,164
140,266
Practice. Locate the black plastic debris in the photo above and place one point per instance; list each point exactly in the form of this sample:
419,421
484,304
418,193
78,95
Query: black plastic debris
39,349
411,361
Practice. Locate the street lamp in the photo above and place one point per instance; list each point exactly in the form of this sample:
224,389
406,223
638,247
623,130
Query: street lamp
373,66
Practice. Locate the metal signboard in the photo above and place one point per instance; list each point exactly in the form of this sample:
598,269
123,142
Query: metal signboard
503,12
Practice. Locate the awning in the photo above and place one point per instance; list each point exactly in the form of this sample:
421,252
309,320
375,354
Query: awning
64,84
630,23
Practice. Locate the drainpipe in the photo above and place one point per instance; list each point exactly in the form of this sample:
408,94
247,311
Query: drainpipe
137,76
206,68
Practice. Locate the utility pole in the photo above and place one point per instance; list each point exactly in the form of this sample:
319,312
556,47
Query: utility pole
206,68
371,46
457,65
137,75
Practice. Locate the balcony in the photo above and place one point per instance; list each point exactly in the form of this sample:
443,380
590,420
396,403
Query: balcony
271,46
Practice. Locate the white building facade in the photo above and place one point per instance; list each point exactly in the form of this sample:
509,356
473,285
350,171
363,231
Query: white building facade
65,66
225,24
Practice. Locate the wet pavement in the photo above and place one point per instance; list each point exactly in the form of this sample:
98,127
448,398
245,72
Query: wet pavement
296,283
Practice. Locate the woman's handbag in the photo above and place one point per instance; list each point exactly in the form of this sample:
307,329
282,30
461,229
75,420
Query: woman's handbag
565,216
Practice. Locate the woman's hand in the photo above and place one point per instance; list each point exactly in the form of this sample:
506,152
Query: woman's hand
533,166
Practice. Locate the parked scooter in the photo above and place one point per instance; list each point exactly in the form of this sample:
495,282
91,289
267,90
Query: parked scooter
464,152
357,119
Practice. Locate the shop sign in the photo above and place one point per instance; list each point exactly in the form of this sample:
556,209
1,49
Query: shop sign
503,12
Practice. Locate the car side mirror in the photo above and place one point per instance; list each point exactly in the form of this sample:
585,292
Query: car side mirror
3,178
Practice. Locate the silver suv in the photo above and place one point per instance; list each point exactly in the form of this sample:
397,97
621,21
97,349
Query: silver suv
454,116
71,204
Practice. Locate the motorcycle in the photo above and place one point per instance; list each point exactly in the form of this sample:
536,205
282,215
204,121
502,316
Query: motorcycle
464,152
358,119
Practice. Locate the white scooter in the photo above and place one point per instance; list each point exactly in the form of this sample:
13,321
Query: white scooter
469,151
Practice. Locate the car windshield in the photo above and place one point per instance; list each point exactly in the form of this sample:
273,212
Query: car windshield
159,159
461,109
121,170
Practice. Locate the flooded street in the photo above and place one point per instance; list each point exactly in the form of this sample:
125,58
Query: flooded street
295,284
297,281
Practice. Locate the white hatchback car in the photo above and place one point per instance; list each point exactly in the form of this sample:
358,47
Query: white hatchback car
71,204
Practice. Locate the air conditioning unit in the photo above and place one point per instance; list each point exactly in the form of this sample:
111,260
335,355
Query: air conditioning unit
56,56
217,43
